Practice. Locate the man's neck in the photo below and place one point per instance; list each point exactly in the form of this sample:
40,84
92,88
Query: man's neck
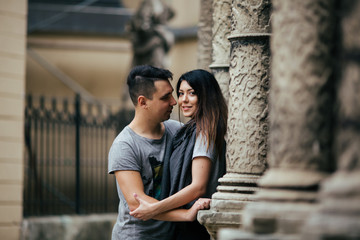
146,128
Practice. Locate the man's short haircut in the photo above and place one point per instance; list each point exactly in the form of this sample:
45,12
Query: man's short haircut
141,81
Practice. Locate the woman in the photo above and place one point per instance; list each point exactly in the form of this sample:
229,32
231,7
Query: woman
197,156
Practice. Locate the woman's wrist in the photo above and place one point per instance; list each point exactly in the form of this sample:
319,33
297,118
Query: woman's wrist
191,215
156,208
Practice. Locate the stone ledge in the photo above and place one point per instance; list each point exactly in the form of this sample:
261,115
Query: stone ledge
68,227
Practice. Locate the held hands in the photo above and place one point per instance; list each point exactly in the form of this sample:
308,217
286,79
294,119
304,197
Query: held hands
144,211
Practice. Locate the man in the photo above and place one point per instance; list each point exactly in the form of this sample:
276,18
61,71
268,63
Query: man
136,155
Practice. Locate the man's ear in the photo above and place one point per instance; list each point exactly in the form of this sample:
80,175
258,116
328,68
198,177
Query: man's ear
142,101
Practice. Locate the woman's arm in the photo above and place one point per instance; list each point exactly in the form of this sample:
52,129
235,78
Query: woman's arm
130,180
200,170
179,215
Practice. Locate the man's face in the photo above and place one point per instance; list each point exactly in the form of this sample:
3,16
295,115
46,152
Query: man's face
163,101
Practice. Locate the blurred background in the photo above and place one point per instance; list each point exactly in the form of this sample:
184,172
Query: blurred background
88,41
63,66
78,56
72,86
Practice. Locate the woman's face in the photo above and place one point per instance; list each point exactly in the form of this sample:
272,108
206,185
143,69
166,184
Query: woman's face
188,100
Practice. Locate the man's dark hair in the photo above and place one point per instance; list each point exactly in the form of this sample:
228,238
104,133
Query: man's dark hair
141,81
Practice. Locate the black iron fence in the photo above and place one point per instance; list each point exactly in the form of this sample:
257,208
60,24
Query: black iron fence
67,144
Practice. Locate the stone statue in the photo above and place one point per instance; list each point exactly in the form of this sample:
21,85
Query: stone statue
150,39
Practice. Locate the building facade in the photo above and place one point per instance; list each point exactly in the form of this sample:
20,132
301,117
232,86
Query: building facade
13,19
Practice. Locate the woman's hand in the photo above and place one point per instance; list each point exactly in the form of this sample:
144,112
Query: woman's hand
145,210
201,203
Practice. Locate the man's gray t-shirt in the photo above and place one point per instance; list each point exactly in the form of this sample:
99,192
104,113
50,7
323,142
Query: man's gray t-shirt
133,152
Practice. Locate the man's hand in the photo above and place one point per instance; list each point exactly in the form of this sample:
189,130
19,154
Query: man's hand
145,211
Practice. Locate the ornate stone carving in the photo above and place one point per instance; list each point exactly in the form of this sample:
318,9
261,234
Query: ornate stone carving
221,31
220,44
302,85
301,101
249,86
247,102
222,76
248,105
339,213
250,16
205,35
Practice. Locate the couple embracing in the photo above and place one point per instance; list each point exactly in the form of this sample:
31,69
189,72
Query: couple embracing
165,170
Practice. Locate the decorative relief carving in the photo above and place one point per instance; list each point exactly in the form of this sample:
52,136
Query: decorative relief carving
249,16
223,78
221,31
245,83
205,35
248,106
302,86
339,196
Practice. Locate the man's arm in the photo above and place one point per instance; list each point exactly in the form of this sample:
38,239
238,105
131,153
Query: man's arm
130,182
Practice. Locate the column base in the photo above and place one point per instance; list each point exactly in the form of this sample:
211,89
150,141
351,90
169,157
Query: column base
234,192
330,226
282,205
338,216
213,221
279,218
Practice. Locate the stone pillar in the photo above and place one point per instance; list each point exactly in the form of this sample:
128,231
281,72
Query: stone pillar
205,35
301,107
220,44
248,111
338,216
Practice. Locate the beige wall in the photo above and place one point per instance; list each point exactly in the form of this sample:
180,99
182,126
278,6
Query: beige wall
99,64
12,77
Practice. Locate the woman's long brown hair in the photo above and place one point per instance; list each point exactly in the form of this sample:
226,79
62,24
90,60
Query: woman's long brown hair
211,115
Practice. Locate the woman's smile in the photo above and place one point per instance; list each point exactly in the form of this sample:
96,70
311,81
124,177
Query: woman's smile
188,99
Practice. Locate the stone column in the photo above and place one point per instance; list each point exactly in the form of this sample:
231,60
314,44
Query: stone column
248,111
301,100
220,44
205,35
339,214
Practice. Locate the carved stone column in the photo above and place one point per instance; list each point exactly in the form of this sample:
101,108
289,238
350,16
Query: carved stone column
339,213
205,35
301,107
220,44
248,111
